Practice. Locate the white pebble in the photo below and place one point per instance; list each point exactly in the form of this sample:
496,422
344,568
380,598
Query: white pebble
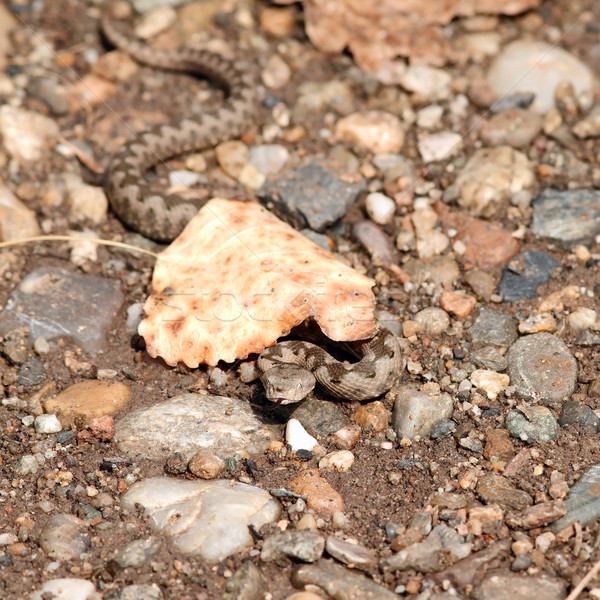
341,460
47,424
67,589
297,437
376,130
582,318
183,178
41,345
439,146
430,116
380,208
490,382
269,158
251,177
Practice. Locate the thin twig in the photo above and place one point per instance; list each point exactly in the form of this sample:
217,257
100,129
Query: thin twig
581,585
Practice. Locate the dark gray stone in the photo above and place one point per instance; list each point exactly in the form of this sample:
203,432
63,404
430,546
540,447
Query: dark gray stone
493,329
569,217
541,367
31,372
490,358
247,583
320,416
577,413
442,429
523,273
313,195
349,553
538,424
303,545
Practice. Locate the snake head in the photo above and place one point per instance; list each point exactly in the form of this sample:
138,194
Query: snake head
286,384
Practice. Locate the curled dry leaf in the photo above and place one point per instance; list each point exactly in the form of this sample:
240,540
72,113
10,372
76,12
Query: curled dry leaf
238,278
376,32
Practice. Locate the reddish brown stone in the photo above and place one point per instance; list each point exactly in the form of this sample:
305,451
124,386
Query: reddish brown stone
321,497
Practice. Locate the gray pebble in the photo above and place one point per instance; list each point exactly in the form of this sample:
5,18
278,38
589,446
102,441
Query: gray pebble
493,329
416,413
524,273
140,591
442,428
303,545
349,553
64,537
490,358
541,366
320,416
31,372
577,413
538,424
135,554
247,583
499,586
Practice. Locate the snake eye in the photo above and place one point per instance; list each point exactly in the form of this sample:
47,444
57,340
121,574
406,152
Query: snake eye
336,381
391,354
371,375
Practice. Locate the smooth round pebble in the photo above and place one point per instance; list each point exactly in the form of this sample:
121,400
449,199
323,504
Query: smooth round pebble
582,318
376,130
47,424
341,460
66,589
433,320
297,437
380,208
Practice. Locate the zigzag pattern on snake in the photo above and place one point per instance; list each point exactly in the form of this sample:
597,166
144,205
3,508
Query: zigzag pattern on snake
289,369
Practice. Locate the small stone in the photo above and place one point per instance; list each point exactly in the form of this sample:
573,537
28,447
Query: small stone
577,413
251,177
489,357
156,21
321,497
350,553
102,428
26,465
428,82
524,273
538,324
305,545
141,591
317,97
66,589
373,415
438,146
416,413
233,156
493,488
433,320
247,583
458,303
442,428
268,158
376,243
498,445
520,587
535,423
491,177
321,416
181,178
541,366
297,437
341,460
276,73
278,21
136,554
569,217
424,557
206,465
430,117
538,515
376,130
31,372
493,329
28,136
490,382
86,201
64,537
346,437
582,318
514,127
526,65
472,444
82,402
16,220
47,424
380,208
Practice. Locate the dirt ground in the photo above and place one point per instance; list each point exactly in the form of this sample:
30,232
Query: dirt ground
371,499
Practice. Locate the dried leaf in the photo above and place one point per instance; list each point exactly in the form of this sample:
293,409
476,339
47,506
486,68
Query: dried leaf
238,278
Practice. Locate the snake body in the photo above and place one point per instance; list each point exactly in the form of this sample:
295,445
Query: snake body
157,215
289,369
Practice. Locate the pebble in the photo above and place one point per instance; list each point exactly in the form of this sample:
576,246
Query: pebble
376,243
538,323
53,302
459,304
350,553
583,501
26,465
247,583
494,488
430,83
183,178
490,382
190,421
156,21
524,273
526,65
304,545
542,367
346,438
569,217
515,127
534,423
66,589
498,445
269,159
538,515
136,554
47,424
430,117
493,329
577,413
489,357
373,416
511,586
340,460
276,73
206,465
376,130
85,401
433,320
64,537
442,145
417,412
424,557
313,195
321,497
232,156
31,372
491,177
380,208
582,318
86,201
430,241
27,136
339,582
297,437
140,591
16,220
442,428
588,127
317,97
321,416
213,515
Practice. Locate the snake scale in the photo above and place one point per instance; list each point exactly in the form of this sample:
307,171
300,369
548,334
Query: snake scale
290,369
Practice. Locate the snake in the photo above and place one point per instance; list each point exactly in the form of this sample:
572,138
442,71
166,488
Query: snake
290,369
